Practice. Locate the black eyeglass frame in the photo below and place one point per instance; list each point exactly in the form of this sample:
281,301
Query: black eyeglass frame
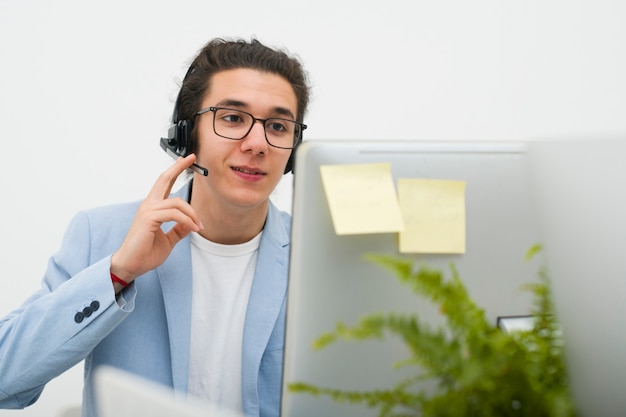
213,109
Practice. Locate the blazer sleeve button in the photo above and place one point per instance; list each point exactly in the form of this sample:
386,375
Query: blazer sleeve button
95,305
87,311
78,317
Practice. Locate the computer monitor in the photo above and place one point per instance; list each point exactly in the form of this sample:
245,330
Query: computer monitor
580,188
329,281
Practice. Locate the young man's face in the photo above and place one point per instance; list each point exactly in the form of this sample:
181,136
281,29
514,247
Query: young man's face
244,172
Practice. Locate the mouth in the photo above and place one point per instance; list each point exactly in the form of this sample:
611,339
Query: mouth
247,171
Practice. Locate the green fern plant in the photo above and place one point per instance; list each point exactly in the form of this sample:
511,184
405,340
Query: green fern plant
479,369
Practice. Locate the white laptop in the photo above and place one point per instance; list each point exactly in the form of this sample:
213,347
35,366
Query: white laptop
122,394
329,281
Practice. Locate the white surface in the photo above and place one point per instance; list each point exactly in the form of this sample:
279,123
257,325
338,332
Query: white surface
86,91
121,394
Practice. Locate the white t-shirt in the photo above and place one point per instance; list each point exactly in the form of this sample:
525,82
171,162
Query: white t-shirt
222,278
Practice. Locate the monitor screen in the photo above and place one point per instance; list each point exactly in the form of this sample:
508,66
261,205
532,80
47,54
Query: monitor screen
330,281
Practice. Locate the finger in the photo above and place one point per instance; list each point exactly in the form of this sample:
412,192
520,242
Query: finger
170,210
179,218
176,207
146,246
179,232
163,185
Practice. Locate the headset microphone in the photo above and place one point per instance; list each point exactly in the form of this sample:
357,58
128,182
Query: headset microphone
171,150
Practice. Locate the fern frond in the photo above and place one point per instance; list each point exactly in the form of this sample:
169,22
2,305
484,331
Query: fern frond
449,294
477,369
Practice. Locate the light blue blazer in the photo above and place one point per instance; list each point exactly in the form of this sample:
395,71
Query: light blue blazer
146,330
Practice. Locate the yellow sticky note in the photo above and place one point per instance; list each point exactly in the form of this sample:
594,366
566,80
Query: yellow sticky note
434,215
362,198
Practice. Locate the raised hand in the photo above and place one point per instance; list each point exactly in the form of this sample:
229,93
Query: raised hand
146,245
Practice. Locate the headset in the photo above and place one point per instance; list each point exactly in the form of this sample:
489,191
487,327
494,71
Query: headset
178,140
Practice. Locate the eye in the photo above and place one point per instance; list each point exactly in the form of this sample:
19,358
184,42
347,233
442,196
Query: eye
279,126
232,117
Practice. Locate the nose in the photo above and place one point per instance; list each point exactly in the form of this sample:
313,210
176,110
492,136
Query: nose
255,139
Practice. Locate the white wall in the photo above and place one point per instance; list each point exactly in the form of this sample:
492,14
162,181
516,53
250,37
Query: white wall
86,90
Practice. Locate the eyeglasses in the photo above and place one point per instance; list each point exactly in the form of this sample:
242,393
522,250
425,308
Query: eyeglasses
236,124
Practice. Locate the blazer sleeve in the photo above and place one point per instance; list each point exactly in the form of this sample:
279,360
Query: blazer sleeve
59,325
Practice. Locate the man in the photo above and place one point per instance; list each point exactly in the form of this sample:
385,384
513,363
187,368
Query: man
187,290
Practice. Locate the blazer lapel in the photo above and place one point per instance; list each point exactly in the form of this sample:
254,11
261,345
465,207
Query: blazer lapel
175,278
176,283
267,299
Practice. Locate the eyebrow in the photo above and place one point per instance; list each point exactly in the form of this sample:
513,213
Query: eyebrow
281,111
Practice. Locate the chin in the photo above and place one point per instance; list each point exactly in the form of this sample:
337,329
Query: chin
251,200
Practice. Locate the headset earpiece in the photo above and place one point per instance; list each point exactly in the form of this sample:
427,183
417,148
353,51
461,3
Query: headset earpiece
179,137
178,140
